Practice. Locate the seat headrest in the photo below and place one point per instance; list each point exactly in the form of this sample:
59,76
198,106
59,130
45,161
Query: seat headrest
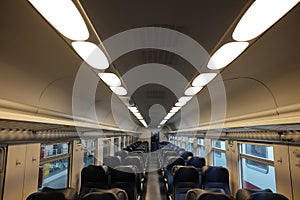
185,174
93,173
266,196
69,193
120,193
112,161
244,194
215,174
199,194
186,154
100,195
122,154
196,162
172,161
46,196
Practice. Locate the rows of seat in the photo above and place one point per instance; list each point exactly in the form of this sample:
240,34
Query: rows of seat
71,194
242,194
121,177
188,178
124,170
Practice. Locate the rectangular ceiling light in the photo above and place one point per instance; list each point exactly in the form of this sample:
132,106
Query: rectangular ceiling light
260,16
91,54
203,79
184,99
110,79
121,91
139,117
226,54
175,109
192,91
178,104
144,123
133,109
163,122
64,16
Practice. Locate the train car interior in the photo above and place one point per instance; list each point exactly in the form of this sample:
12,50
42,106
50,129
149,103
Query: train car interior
150,100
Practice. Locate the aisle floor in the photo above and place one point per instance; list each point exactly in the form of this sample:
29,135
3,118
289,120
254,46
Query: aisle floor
154,187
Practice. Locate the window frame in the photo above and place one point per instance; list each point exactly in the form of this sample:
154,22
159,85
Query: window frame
93,149
201,146
257,159
218,150
191,144
54,158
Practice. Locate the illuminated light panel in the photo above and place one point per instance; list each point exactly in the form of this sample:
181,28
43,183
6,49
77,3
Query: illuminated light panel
137,114
170,114
163,122
260,16
139,117
167,117
119,90
64,16
184,99
226,54
144,123
192,91
178,104
110,79
133,109
175,109
91,54
203,79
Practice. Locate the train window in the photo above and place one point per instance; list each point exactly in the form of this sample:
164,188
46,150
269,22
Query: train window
200,147
116,144
219,153
172,139
89,152
106,148
54,165
183,142
257,166
191,145
54,150
2,158
260,151
2,166
122,142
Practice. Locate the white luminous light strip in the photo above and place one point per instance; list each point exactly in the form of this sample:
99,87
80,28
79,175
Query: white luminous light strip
178,104
175,109
226,54
203,79
64,16
144,123
260,16
184,99
119,90
133,109
91,54
139,117
192,91
163,122
136,113
110,79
